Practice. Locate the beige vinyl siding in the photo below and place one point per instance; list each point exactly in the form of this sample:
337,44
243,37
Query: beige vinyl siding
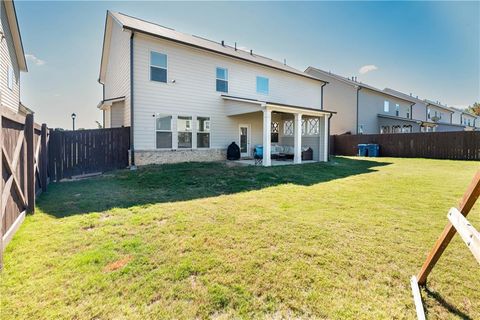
9,98
342,98
108,117
194,91
117,77
419,111
117,115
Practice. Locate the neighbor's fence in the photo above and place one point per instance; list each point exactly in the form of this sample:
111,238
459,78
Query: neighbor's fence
81,152
23,153
461,145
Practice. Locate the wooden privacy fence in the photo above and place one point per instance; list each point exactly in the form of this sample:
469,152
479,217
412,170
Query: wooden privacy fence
80,152
461,145
23,153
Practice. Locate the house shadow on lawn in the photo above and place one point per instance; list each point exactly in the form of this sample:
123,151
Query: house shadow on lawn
444,303
187,181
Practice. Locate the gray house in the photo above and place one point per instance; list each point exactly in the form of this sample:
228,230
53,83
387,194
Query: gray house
363,109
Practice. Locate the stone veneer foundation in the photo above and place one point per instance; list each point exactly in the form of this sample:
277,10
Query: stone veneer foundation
144,157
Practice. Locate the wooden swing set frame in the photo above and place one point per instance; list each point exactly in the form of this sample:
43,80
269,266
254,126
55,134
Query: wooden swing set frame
458,223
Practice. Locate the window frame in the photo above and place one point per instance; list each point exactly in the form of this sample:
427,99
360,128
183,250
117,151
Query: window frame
397,109
191,131
275,132
197,131
386,106
218,79
162,115
158,67
257,88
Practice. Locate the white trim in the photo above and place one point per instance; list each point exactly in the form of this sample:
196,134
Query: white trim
417,298
157,115
249,139
208,131
267,126
150,67
297,138
7,237
326,140
226,78
186,131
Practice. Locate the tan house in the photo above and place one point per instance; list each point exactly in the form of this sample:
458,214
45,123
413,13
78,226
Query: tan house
12,59
187,98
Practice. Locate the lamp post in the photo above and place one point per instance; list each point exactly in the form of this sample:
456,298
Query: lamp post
73,120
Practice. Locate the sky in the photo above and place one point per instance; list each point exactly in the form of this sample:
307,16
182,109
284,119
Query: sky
430,49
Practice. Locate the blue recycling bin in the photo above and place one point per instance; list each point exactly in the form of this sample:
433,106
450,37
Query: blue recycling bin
373,150
362,150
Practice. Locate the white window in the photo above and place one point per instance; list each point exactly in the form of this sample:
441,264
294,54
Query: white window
429,113
163,126
397,109
184,129
262,85
158,67
408,114
288,128
10,77
313,126
222,80
203,132
386,106
274,132
384,129
407,129
361,129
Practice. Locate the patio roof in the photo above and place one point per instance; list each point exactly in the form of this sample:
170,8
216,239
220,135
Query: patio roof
279,106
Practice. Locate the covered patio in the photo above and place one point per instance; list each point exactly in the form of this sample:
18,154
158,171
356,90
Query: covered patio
282,134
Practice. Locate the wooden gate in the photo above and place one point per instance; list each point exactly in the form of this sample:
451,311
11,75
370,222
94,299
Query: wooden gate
81,152
23,165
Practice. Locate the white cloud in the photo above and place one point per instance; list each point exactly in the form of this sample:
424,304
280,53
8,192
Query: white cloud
35,60
367,68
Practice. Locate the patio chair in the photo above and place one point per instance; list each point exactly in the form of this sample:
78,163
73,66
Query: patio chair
258,155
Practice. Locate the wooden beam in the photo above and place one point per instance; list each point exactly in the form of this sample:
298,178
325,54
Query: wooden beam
11,167
30,163
417,298
469,234
466,204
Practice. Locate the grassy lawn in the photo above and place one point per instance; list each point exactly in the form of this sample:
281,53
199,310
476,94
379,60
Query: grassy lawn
324,241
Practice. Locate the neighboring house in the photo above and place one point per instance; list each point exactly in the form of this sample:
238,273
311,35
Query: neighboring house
12,58
430,116
187,98
363,109
469,121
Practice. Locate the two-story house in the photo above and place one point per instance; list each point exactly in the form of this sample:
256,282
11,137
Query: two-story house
363,109
468,120
187,98
431,116
12,59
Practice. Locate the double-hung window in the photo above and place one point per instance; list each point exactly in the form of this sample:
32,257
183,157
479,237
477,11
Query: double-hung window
184,129
386,106
262,85
222,79
203,132
163,128
397,109
158,67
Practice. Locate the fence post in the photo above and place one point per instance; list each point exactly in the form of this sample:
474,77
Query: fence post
44,158
1,189
30,164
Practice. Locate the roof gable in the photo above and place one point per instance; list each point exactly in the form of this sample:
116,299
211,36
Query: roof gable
15,31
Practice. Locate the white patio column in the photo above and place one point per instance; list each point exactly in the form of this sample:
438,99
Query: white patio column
325,142
267,129
297,158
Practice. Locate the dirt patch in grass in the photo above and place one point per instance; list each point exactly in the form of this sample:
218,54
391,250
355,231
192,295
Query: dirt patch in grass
118,264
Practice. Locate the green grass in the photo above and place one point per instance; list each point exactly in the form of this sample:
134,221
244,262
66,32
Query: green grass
326,241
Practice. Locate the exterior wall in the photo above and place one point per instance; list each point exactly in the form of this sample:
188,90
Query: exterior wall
443,127
395,122
466,118
9,98
117,77
117,115
194,93
342,98
446,118
419,111
371,103
457,117
108,117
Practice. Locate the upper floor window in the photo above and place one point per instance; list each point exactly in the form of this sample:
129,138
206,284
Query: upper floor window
386,106
397,109
222,80
158,67
262,85
10,77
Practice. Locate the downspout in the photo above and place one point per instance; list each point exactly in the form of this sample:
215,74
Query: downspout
411,110
358,90
132,148
321,89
